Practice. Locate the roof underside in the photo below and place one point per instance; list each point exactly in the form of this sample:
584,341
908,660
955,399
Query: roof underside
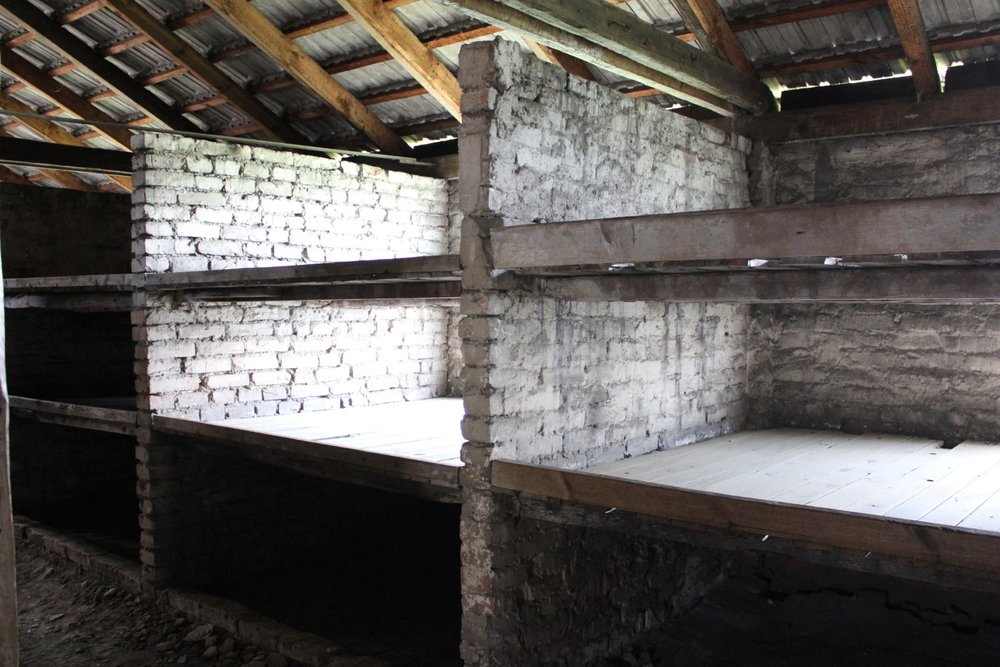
790,44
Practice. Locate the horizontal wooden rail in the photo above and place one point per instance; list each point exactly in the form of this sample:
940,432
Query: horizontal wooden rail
903,226
109,420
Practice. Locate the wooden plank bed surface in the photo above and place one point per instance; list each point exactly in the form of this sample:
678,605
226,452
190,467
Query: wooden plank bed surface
877,495
418,442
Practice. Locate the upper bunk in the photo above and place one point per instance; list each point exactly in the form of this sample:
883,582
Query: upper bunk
937,249
412,448
893,503
110,292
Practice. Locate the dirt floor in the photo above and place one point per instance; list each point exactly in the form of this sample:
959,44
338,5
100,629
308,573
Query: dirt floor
67,620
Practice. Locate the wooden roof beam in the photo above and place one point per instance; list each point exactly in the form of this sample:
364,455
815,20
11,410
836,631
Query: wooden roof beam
706,20
41,155
64,179
34,19
508,19
913,36
258,29
624,33
198,65
571,64
400,42
52,132
61,96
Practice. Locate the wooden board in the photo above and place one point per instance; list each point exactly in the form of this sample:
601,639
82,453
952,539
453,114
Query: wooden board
903,226
736,484
76,415
418,441
980,284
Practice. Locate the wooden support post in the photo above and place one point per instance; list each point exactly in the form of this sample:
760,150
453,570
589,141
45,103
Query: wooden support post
8,569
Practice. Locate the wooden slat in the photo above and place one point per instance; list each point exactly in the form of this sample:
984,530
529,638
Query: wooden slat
193,61
913,36
902,285
430,473
504,17
8,568
104,282
933,546
56,156
36,20
403,268
394,291
973,461
626,34
61,96
903,226
54,133
954,109
259,30
397,39
709,18
74,415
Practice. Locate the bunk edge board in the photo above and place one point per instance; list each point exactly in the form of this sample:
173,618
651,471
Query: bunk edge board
972,284
105,292
938,225
965,552
75,415
355,465
437,268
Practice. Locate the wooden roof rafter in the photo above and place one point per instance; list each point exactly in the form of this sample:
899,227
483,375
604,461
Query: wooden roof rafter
913,37
404,46
64,179
51,31
61,96
257,28
191,60
708,23
54,134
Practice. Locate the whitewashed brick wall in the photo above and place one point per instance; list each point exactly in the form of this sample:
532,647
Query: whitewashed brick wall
202,205
548,147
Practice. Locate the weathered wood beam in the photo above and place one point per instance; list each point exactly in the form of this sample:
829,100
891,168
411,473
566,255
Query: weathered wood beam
8,567
8,175
958,108
400,42
61,96
54,133
41,155
504,17
107,420
705,17
979,284
258,29
971,552
64,179
562,60
913,36
622,32
193,61
36,20
902,226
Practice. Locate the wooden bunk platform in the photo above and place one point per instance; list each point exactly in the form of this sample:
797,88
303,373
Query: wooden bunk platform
89,414
106,292
411,448
904,499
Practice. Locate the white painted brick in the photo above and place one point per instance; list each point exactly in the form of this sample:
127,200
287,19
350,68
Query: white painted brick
208,365
198,165
212,199
222,216
220,247
256,362
261,378
227,380
198,229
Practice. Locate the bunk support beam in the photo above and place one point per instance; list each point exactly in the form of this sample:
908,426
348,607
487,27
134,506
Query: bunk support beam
962,224
8,571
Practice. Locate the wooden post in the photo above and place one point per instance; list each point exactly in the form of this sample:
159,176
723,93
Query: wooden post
8,581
